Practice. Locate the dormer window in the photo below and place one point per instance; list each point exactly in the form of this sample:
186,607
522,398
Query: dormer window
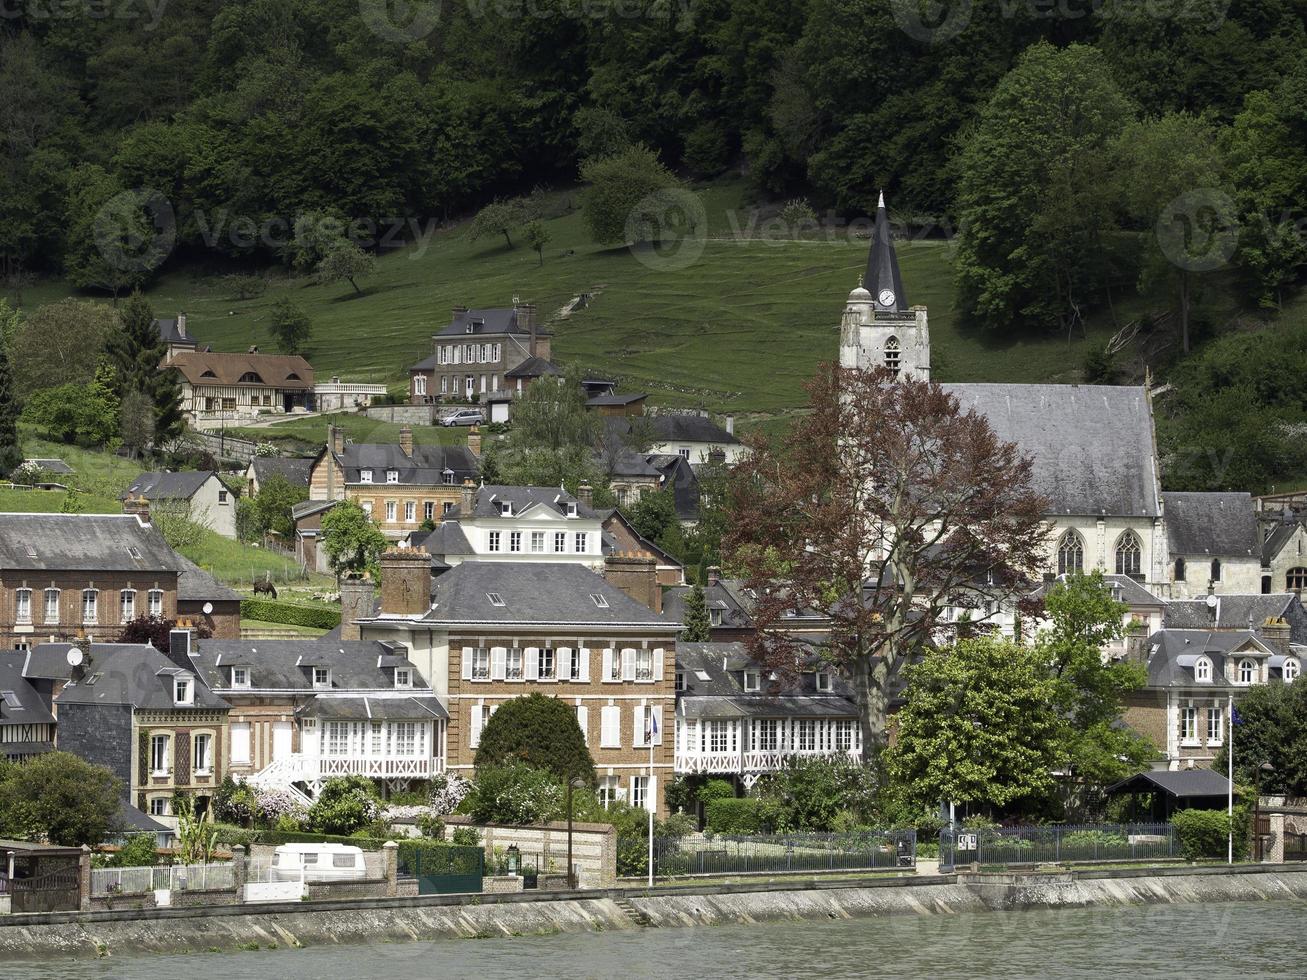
1247,671
250,378
240,677
321,677
392,476
715,617
182,693
403,678
365,476
505,508
752,681
571,508
448,477
1203,670
681,684
823,681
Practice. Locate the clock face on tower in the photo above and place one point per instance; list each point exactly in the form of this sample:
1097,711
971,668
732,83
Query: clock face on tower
886,297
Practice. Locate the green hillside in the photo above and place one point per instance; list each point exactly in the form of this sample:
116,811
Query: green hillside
737,330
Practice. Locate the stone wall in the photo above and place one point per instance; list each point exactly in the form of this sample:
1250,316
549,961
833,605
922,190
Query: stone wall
403,414
594,848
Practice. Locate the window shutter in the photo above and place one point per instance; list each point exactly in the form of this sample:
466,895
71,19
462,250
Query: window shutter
531,663
658,663
607,666
467,663
583,720
638,724
474,734
610,727
628,664
584,654
498,663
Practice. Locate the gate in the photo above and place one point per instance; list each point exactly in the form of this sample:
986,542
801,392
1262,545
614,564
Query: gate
55,890
1295,847
446,870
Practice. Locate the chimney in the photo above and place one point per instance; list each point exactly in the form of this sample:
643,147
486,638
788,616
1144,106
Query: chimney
181,324
336,439
637,576
469,491
585,495
730,424
714,574
356,598
139,507
1275,634
474,440
458,311
405,582
406,441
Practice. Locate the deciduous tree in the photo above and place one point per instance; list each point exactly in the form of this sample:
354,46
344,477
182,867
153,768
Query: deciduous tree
11,451
353,543
622,185
58,797
884,505
290,326
347,261
539,731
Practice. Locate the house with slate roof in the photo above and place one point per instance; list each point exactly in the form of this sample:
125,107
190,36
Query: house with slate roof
203,601
199,495
147,717
472,355
487,632
81,576
1192,675
1214,543
26,723
295,470
1284,550
303,711
693,436
736,719
401,485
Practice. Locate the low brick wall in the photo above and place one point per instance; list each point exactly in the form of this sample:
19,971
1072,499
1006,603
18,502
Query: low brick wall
501,884
328,891
594,848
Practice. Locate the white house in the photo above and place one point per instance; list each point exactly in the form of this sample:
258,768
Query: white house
205,498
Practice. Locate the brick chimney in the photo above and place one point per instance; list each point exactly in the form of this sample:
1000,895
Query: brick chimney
356,600
637,576
585,495
181,324
406,441
469,491
138,506
714,574
458,311
1275,634
474,440
405,582
336,439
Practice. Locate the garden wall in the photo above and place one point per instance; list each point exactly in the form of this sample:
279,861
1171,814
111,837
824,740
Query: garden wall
594,847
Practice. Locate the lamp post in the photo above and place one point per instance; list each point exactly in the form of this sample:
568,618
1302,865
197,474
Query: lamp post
572,784
514,859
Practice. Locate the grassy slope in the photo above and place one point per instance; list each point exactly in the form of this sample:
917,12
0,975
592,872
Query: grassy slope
310,434
738,330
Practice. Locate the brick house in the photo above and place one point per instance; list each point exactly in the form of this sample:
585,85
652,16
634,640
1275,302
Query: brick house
475,352
147,717
204,601
489,632
400,485
73,576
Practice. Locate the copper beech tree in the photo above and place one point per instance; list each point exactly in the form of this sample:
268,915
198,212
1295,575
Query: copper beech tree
881,508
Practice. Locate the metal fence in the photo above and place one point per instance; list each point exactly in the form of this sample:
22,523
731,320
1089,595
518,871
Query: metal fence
772,853
177,877
1061,844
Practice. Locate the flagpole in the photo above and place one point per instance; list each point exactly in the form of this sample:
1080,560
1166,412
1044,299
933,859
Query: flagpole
1229,806
649,800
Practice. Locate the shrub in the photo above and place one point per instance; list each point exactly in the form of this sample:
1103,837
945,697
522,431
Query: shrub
716,789
345,804
235,803
429,825
274,611
808,794
139,852
539,731
448,790
514,793
1093,839
1204,834
732,816
466,837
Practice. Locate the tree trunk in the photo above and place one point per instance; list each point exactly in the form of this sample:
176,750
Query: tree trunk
871,688
355,285
507,239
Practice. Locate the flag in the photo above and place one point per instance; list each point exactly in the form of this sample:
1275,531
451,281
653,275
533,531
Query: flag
1235,717
651,726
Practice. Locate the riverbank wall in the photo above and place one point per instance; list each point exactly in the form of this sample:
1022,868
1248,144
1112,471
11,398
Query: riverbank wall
298,924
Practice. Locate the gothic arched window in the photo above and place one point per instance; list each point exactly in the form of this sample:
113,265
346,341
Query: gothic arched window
893,355
1070,554
1128,554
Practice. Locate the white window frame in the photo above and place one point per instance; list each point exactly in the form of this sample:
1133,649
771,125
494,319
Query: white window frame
1246,671
548,664
752,681
581,540
206,740
1203,670
537,542
160,755
23,606
241,747
365,476
560,542
56,595
392,511
1292,669
515,541
824,682
492,541
240,677
403,678
126,605
183,691
90,606
1188,725
515,664
154,602
322,682
480,663
1215,726
410,511
392,476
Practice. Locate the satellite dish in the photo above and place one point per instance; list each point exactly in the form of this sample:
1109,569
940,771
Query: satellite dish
1211,602
74,657
207,608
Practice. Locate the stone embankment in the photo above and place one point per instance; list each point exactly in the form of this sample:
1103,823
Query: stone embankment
435,917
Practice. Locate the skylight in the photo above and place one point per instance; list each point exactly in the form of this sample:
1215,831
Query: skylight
702,675
31,552
495,598
134,551
599,600
10,699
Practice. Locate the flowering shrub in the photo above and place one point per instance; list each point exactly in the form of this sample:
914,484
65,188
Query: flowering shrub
266,449
514,794
276,806
447,792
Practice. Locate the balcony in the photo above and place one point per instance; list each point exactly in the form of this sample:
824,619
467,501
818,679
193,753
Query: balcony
755,761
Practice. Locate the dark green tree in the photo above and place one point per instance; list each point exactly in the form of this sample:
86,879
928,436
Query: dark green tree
136,351
698,628
58,797
11,450
622,186
290,326
352,541
654,515
539,731
272,506
1271,727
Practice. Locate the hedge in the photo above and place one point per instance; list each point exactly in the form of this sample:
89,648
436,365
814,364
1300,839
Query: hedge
1204,833
743,816
275,611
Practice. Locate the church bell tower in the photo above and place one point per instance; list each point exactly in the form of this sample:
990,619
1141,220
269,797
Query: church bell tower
879,329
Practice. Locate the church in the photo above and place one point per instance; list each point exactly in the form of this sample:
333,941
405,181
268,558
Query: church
1093,447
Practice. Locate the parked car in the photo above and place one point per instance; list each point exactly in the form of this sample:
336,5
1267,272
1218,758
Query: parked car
318,862
465,416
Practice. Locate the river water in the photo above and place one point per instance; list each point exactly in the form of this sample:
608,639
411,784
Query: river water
1205,942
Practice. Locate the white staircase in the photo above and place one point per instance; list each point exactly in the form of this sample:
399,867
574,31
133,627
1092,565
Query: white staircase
283,774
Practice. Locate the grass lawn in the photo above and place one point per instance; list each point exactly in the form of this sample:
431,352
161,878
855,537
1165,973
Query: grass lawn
738,329
99,474
16,501
309,435
236,564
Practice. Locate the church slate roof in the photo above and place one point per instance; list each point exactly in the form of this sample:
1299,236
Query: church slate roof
1092,445
883,265
1218,524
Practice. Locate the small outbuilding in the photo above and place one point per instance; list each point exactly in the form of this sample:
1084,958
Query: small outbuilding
1168,791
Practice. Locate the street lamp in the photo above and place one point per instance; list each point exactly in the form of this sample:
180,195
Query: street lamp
514,859
1257,808
572,784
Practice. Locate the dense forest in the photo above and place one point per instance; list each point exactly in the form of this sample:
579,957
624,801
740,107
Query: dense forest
1079,151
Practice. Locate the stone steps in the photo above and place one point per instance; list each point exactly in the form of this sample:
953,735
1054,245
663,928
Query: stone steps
637,918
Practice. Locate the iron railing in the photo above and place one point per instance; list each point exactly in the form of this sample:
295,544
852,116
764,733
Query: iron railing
1057,844
697,854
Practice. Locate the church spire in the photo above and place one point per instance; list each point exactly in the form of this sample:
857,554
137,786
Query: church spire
882,277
